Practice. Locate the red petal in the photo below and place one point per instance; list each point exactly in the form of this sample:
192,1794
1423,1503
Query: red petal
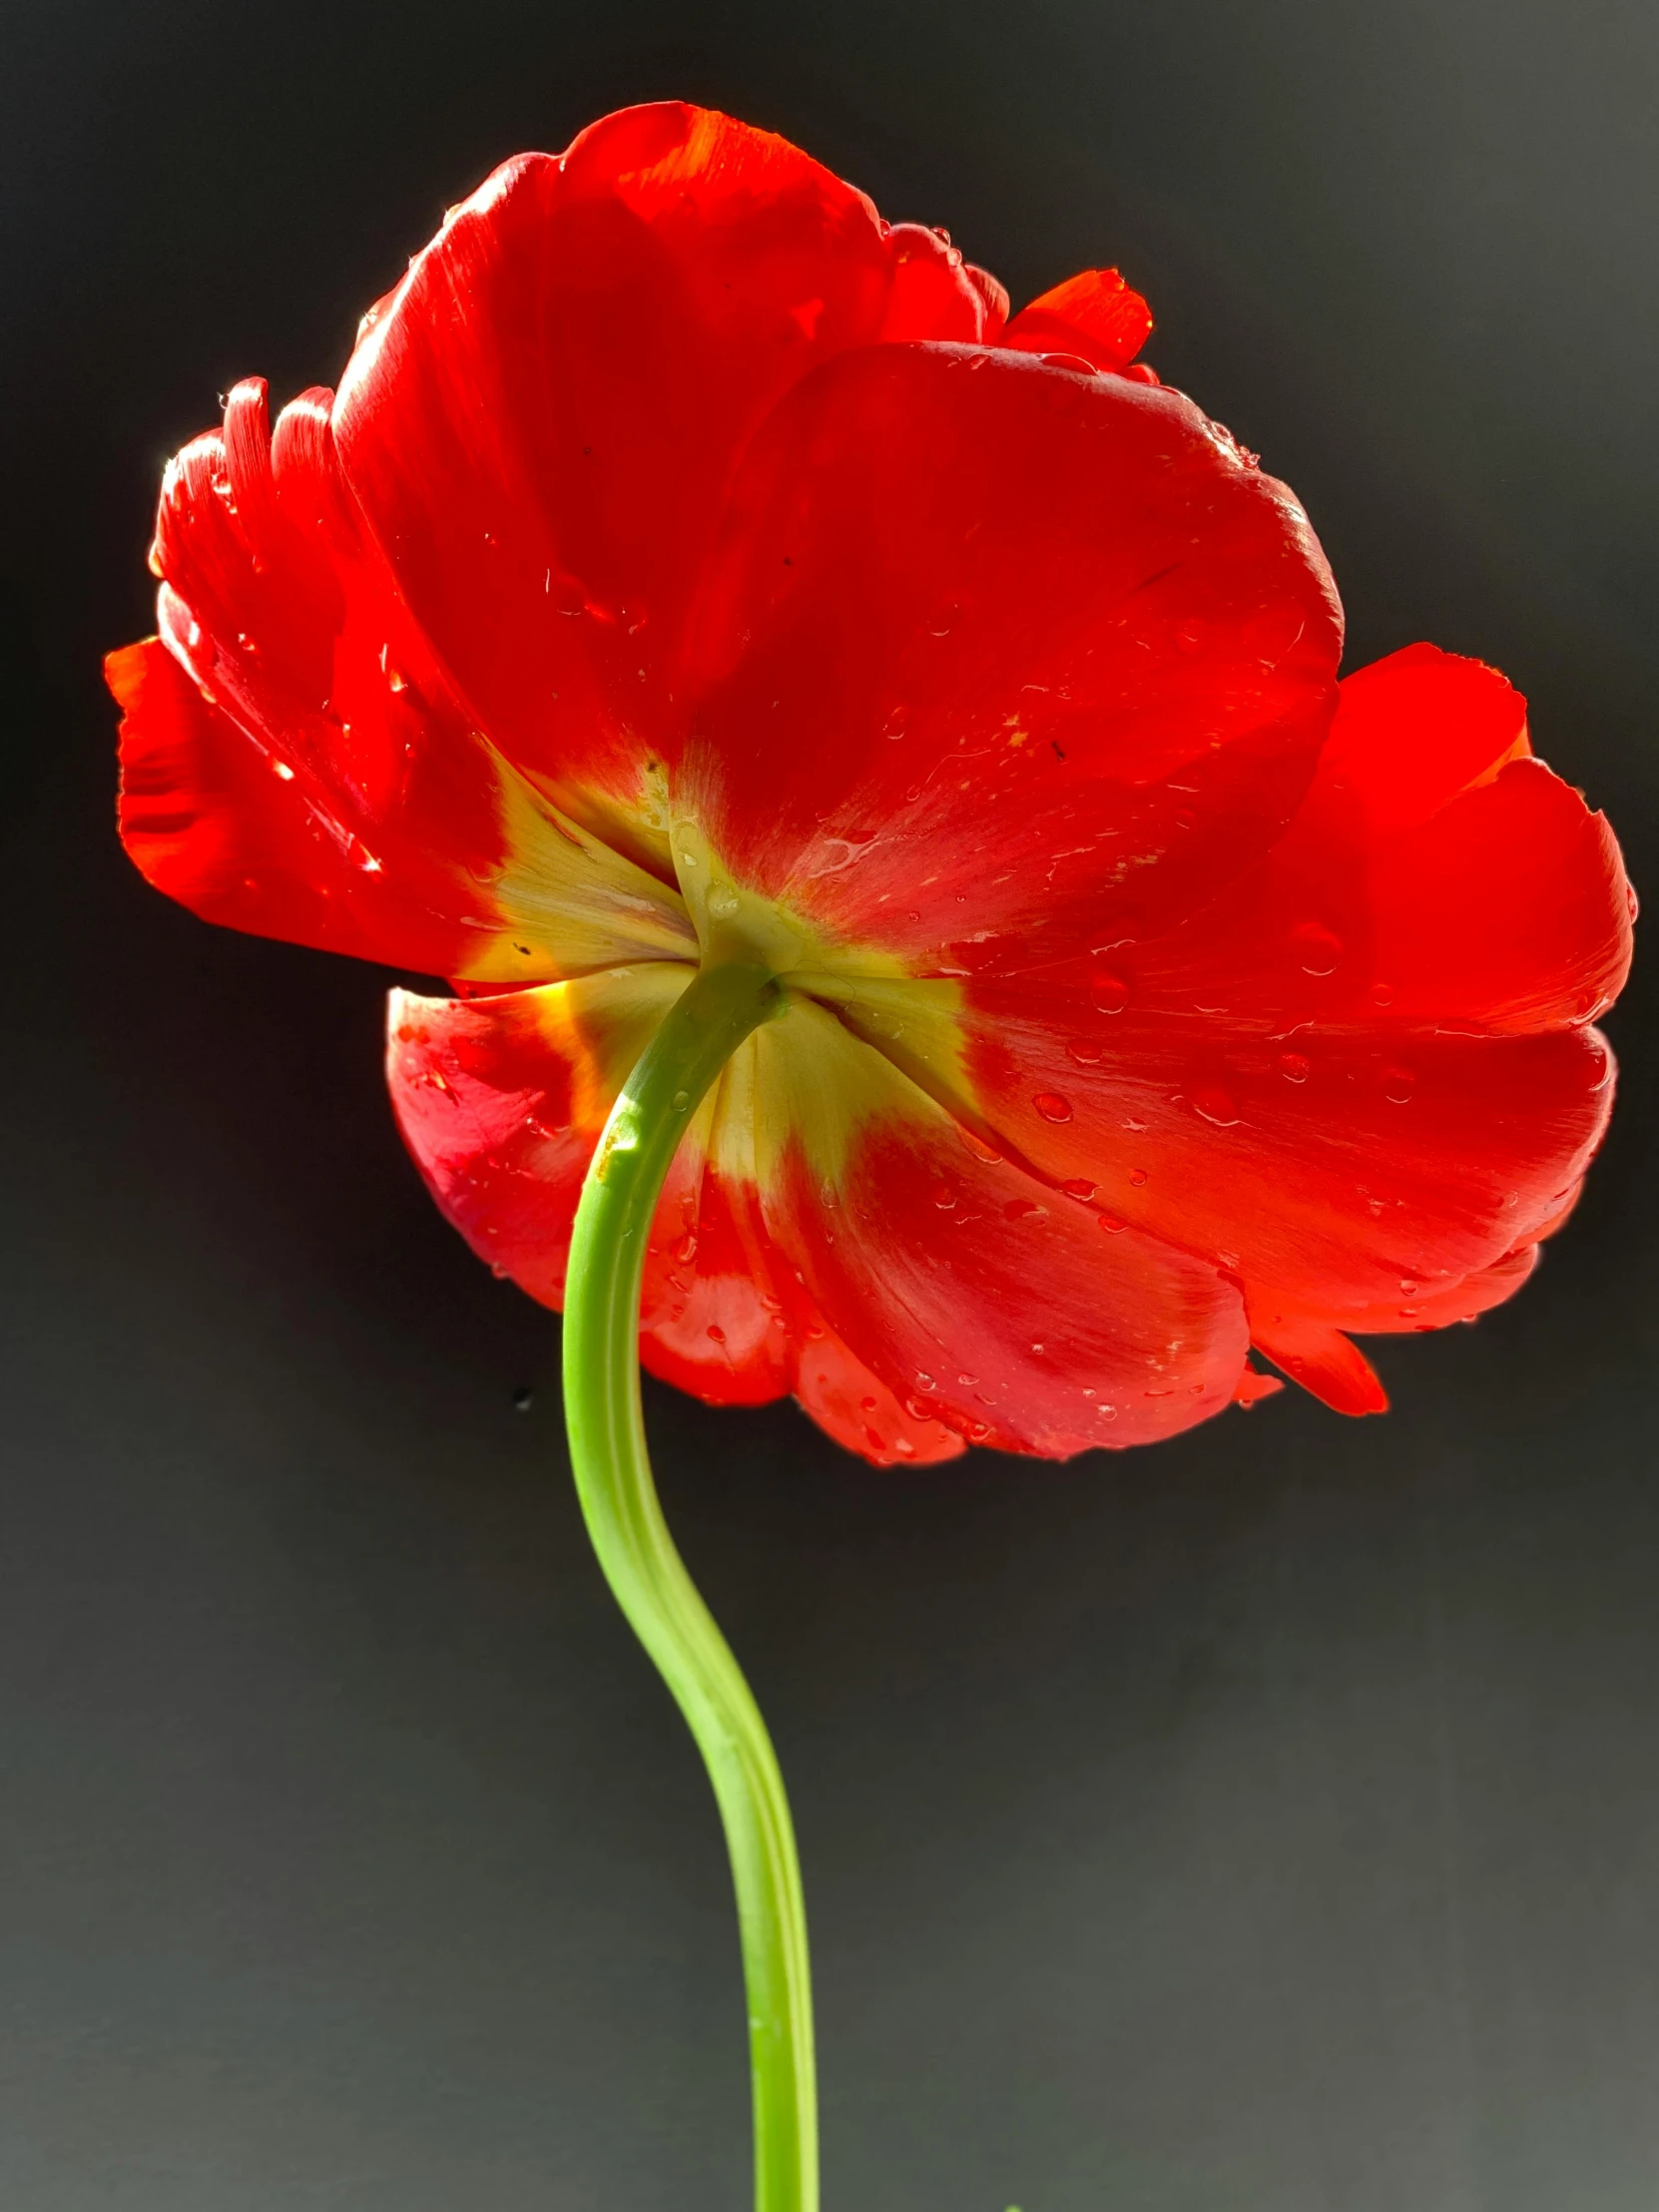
923,1250
1095,315
1435,876
304,772
715,1323
1412,731
1322,1359
501,1100
994,655
1509,910
1350,1175
1358,1081
857,1408
935,292
1006,1309
1467,1299
1253,1385
543,421
994,297
208,819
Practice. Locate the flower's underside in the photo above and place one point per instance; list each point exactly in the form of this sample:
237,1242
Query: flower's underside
693,564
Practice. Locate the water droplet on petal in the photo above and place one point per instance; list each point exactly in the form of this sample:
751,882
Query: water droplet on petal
1381,994
1137,1176
1109,992
1111,1223
724,903
1294,1067
715,1334
1086,1052
1397,1085
838,854
1316,950
1023,1209
1214,1104
944,1197
1052,1106
685,1249
1079,1188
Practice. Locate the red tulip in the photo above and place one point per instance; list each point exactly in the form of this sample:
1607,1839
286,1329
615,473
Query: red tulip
688,559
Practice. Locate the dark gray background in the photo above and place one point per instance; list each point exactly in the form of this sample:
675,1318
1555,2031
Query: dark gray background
1267,1823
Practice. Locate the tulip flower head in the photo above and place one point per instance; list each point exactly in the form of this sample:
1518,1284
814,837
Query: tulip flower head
691,560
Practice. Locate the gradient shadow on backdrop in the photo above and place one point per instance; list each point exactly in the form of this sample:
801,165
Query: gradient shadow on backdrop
1272,1819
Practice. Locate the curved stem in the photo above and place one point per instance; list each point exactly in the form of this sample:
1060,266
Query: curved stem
647,1575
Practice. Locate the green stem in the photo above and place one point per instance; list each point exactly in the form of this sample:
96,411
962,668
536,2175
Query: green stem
647,1575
